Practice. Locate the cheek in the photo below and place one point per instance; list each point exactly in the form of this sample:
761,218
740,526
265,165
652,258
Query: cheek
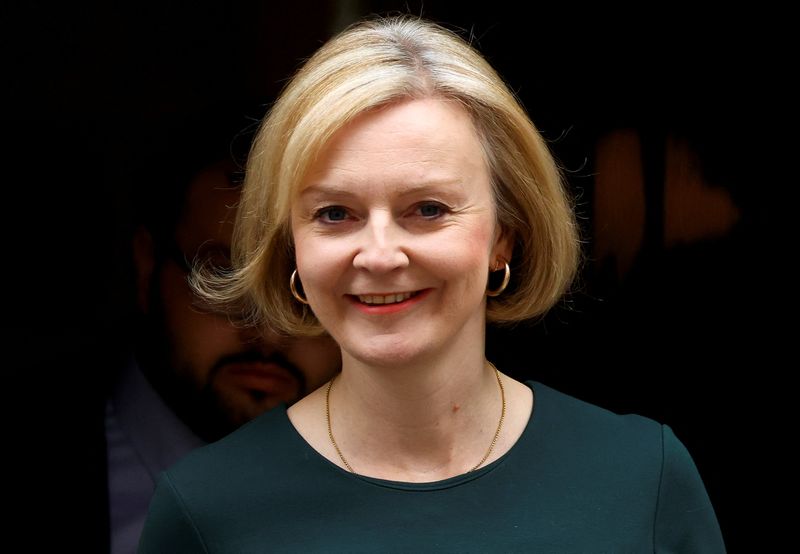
194,334
463,251
321,263
176,300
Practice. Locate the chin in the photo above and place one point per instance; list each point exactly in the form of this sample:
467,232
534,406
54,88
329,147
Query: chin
239,409
389,353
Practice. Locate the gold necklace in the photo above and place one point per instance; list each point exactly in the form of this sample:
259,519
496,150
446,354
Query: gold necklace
479,464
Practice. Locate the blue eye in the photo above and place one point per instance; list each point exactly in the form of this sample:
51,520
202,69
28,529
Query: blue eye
430,210
332,213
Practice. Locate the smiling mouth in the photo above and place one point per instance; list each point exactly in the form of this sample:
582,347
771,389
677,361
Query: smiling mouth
380,299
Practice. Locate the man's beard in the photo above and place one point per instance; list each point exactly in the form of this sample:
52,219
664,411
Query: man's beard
209,415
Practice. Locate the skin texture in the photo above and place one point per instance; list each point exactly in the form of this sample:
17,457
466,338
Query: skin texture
400,202
214,374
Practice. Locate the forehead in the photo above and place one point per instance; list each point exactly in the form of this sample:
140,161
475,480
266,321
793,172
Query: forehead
428,139
210,208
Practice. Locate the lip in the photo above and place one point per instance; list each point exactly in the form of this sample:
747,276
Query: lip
385,309
267,378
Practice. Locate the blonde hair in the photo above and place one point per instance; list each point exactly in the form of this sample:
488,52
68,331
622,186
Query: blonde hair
374,63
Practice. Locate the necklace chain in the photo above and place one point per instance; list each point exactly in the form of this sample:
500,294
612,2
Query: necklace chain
479,464
328,420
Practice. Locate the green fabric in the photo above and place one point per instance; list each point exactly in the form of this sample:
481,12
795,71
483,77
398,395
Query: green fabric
580,479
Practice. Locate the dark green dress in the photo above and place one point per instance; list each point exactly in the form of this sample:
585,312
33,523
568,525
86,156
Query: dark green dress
580,479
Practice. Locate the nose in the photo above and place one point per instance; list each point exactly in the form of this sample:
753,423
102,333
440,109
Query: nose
380,248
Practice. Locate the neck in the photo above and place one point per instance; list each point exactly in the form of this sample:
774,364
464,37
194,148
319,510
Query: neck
418,391
421,422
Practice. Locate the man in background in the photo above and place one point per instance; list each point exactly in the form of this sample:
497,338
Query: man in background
91,448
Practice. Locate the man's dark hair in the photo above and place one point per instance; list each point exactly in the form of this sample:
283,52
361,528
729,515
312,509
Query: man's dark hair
174,152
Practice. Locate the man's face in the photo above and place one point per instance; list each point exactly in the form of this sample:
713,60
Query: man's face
221,375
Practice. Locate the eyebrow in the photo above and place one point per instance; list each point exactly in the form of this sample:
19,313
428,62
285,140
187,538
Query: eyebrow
327,189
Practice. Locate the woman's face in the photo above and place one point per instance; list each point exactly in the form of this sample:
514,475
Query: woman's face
395,232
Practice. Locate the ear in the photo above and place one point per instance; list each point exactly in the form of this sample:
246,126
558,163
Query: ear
144,262
503,247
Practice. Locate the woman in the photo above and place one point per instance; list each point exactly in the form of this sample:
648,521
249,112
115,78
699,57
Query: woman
398,197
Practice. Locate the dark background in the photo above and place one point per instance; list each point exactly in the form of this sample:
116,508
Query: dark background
685,336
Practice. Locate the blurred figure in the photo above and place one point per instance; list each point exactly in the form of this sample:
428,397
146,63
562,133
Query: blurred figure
190,375
214,374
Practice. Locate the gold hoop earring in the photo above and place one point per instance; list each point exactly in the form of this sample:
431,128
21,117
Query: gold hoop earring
506,277
294,289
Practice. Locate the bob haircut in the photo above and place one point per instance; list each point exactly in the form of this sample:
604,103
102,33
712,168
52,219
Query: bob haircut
369,65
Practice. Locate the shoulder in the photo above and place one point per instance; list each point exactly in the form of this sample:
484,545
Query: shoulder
255,456
573,418
245,477
626,464
633,461
211,476
248,448
576,440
